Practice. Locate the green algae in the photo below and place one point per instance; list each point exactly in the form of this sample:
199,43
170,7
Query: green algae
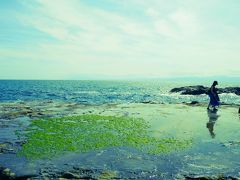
47,138
108,175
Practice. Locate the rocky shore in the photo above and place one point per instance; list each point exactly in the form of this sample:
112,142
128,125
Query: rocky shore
202,160
199,89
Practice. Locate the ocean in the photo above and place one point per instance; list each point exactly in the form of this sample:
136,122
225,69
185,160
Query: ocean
98,128
102,92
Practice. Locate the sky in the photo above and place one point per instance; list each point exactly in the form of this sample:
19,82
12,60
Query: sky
94,39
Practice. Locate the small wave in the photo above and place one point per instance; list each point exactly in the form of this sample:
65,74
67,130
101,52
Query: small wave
86,92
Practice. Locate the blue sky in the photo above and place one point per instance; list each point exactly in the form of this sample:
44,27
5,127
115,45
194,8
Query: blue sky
81,39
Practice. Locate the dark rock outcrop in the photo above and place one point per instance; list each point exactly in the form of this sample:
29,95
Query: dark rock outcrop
235,90
190,90
197,90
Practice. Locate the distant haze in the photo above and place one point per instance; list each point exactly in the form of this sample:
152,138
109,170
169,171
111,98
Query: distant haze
119,39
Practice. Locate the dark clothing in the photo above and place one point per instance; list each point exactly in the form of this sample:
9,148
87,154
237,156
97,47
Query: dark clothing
214,101
214,98
214,91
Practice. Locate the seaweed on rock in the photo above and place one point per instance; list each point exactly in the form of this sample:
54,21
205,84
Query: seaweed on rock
47,138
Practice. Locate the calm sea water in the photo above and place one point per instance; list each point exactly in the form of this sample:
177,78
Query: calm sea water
100,92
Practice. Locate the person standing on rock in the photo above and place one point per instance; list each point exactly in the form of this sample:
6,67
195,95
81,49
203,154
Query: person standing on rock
213,95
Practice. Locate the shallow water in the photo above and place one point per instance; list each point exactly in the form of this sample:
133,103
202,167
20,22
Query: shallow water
214,149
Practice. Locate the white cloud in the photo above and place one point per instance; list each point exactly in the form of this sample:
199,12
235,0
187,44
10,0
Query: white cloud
186,22
165,28
90,39
177,24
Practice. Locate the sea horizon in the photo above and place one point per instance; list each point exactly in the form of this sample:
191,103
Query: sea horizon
137,78
111,91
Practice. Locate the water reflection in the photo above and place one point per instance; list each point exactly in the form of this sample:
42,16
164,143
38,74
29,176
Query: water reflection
213,116
239,112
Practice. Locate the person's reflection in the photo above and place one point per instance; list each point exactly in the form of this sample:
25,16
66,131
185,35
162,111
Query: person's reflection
212,115
239,112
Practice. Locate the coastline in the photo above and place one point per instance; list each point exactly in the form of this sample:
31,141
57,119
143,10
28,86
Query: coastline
181,121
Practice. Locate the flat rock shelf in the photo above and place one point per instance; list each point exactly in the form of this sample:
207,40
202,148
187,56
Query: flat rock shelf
53,139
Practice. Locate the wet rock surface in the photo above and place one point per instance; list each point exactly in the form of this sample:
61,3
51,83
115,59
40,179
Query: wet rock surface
204,177
111,163
197,90
5,173
82,173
